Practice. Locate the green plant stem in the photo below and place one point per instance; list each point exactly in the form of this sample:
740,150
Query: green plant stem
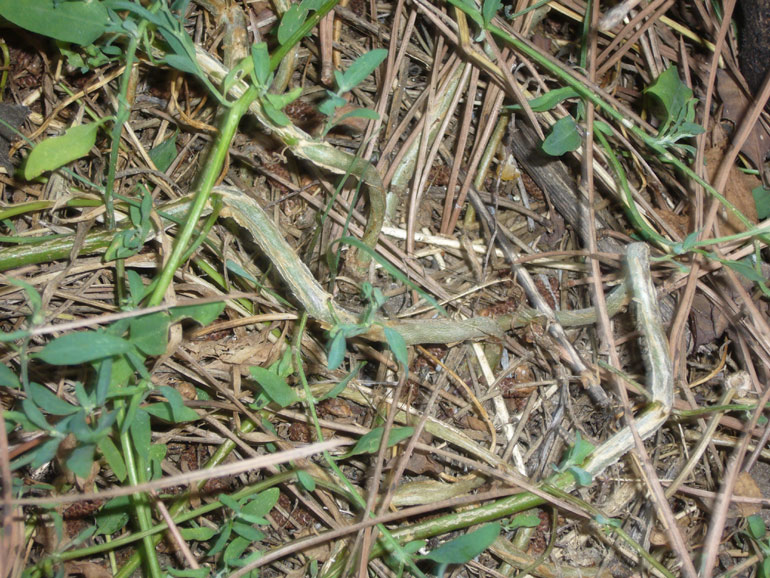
311,22
121,117
211,170
391,544
181,503
140,502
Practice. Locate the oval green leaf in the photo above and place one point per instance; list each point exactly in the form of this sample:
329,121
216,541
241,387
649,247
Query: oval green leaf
465,548
563,138
76,22
77,348
56,152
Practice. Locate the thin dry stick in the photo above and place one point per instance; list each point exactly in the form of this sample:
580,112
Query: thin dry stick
175,534
185,478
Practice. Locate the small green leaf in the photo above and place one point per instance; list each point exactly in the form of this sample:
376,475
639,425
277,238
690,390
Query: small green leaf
762,201
162,410
337,389
291,21
198,534
370,442
582,477
747,270
306,480
77,22
47,400
279,101
164,154
141,431
465,548
523,521
221,541
397,346
489,10
362,67
262,503
235,550
56,152
204,314
331,104
564,137
149,333
548,100
261,60
275,115
247,531
8,378
337,350
179,410
80,460
81,347
114,515
274,386
757,528
113,457
604,521
183,63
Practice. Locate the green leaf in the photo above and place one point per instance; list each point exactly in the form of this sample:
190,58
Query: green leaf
162,410
762,201
149,333
56,152
81,459
113,457
397,346
261,60
337,350
578,452
262,503
746,269
465,548
235,549
275,115
81,347
370,442
582,477
8,377
489,10
757,528
328,106
182,62
113,516
47,400
306,480
179,411
198,534
77,22
247,531
141,431
221,541
604,521
362,67
274,386
366,113
279,101
34,414
337,389
291,21
548,100
523,521
564,137
204,314
671,95
165,153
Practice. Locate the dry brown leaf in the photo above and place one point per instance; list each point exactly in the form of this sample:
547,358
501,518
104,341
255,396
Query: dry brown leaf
737,191
735,102
747,487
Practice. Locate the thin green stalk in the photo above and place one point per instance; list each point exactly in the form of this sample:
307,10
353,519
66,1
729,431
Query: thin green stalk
211,170
391,544
140,502
311,22
181,503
